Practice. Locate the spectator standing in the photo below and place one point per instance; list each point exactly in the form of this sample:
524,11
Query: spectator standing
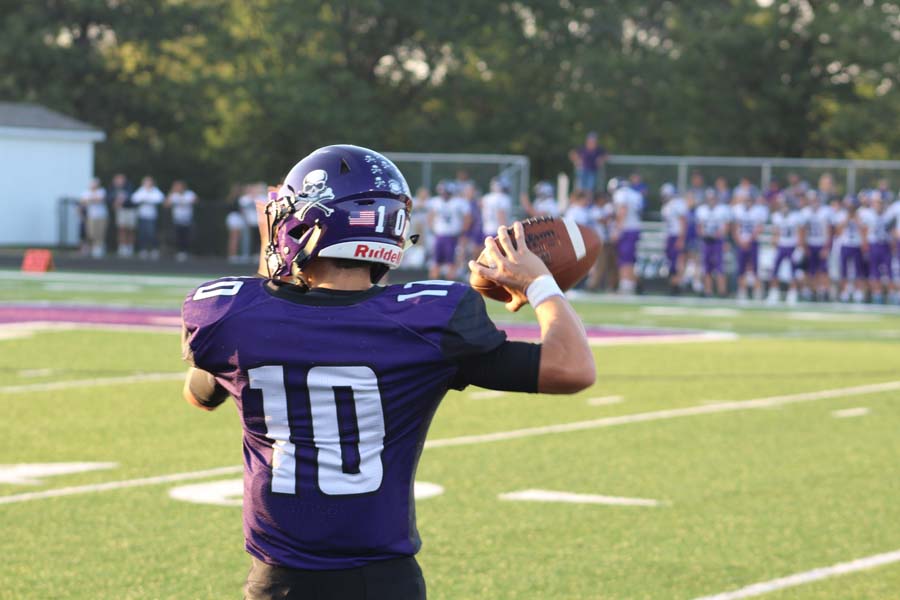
771,191
449,216
247,203
496,207
181,200
588,161
723,192
697,188
126,214
147,198
744,186
884,190
796,188
94,202
826,188
234,222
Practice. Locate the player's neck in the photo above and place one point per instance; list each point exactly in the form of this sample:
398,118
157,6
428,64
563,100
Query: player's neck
324,274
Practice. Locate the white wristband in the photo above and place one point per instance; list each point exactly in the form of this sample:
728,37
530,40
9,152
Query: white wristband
541,289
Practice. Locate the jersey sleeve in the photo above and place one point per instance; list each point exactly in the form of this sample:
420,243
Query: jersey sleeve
202,312
470,330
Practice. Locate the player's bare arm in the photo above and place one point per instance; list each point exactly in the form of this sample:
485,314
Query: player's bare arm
567,363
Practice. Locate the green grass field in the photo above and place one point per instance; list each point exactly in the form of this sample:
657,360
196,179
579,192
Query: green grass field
748,493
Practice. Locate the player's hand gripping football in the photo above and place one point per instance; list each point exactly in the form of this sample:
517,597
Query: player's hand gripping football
512,266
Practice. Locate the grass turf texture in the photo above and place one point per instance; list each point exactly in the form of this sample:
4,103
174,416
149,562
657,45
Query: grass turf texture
752,495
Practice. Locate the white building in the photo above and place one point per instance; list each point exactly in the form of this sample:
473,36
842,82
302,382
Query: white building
44,156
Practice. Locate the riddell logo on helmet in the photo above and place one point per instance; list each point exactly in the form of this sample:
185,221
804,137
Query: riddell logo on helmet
390,255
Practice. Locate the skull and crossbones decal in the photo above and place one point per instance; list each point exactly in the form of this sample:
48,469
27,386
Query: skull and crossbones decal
315,191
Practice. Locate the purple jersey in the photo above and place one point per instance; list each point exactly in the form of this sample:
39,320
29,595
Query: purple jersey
336,391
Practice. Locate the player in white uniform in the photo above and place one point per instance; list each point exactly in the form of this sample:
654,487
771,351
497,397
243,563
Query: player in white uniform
544,204
449,216
674,214
628,204
496,208
748,219
876,222
605,272
848,235
894,213
817,226
713,220
789,239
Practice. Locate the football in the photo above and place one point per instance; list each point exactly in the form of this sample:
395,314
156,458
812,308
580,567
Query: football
569,250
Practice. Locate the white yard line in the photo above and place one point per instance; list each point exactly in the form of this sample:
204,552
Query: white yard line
501,435
604,400
660,415
847,413
143,280
675,338
572,498
35,372
766,587
486,394
81,383
117,485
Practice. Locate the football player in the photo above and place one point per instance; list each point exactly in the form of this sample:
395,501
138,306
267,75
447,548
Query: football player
848,235
817,227
712,225
449,217
545,204
336,379
748,218
675,214
496,207
894,212
789,240
628,204
876,233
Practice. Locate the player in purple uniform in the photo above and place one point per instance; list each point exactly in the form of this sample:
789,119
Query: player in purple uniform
336,379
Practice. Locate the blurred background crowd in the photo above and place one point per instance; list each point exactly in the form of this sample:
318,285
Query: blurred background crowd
793,240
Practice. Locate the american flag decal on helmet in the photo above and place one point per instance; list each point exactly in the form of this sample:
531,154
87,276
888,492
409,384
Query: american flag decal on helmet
363,218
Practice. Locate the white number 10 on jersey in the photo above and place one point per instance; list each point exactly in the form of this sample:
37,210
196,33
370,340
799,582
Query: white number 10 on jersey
324,384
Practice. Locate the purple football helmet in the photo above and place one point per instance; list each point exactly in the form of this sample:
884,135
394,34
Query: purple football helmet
341,202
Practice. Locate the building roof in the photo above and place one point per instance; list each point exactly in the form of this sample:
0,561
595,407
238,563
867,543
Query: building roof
34,116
